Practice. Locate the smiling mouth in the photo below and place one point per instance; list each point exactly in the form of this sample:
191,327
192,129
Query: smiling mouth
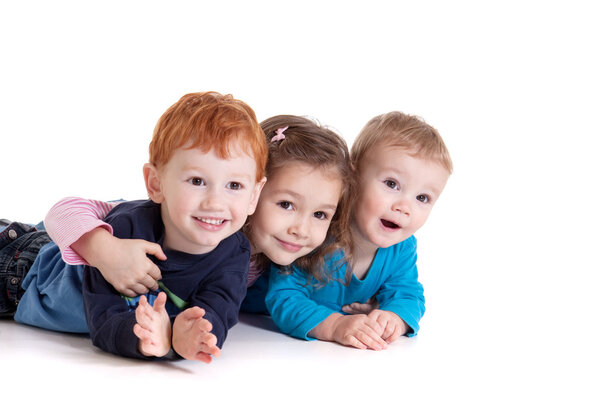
289,246
389,224
211,221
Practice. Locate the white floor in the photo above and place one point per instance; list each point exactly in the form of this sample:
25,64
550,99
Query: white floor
259,362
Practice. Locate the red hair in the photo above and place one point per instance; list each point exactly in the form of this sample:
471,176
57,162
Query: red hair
209,121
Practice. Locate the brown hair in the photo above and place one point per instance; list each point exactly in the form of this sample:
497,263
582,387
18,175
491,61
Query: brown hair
407,131
209,120
308,142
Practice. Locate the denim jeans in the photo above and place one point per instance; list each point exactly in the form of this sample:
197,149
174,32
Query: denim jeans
53,296
19,246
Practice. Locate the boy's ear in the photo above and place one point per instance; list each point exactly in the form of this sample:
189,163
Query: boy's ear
255,195
153,186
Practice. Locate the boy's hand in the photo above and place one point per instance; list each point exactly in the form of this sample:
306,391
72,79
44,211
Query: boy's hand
358,331
393,326
192,339
361,308
153,327
122,262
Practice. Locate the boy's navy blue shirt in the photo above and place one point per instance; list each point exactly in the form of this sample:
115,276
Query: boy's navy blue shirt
215,281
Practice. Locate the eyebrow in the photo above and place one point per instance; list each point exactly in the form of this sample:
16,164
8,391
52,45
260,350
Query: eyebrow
393,169
201,171
299,196
435,193
328,207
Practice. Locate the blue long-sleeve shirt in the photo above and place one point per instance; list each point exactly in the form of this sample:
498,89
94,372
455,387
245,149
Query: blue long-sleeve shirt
215,281
296,308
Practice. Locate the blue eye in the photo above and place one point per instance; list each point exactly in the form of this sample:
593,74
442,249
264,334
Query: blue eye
196,181
234,185
423,198
391,184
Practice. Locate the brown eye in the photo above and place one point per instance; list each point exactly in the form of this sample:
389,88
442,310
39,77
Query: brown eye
391,184
286,205
320,215
234,185
196,181
423,198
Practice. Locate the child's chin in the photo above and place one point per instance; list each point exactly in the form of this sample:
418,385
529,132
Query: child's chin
388,242
284,259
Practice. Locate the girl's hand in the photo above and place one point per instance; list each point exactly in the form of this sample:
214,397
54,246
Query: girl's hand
124,263
393,325
192,339
358,331
361,308
153,327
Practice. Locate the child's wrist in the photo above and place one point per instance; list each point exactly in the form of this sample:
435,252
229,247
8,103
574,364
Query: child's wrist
89,246
326,329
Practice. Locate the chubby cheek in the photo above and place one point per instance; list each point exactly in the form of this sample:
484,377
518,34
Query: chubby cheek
242,207
365,214
180,207
420,221
319,238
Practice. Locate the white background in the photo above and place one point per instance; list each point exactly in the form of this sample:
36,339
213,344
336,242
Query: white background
508,258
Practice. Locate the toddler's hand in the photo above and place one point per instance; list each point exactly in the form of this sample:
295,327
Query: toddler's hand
393,326
359,331
192,338
124,263
153,327
361,308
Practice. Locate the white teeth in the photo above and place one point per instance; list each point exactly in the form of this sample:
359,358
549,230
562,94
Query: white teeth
211,221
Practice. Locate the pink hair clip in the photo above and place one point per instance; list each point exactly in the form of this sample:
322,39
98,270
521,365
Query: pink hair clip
279,134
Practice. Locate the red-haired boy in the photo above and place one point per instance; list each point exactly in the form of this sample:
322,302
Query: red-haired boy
205,173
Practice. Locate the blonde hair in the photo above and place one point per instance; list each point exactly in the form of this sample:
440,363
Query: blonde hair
406,131
209,120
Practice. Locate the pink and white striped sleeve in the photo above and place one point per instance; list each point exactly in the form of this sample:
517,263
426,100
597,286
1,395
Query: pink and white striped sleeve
253,272
70,219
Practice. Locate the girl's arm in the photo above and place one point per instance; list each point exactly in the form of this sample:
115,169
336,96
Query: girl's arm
76,226
293,310
289,303
70,219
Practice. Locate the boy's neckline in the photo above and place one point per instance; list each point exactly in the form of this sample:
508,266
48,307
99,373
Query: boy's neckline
364,253
361,271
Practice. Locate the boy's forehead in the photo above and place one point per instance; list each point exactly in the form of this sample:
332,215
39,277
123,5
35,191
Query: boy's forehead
224,151
384,155
401,160
389,156
237,161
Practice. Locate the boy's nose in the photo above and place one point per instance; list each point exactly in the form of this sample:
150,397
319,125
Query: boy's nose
402,205
213,200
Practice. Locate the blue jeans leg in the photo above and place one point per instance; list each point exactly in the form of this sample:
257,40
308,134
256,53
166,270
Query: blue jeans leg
19,246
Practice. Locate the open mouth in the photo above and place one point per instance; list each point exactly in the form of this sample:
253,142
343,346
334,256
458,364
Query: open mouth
389,224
